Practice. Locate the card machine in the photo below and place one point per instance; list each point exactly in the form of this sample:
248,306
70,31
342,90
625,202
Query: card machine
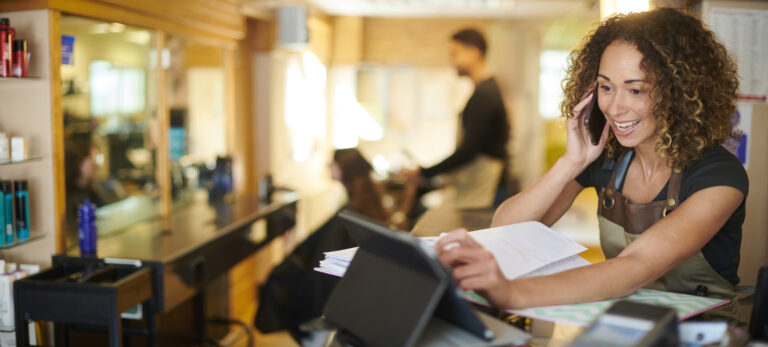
632,324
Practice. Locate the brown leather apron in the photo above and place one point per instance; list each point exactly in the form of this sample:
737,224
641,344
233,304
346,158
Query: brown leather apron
621,222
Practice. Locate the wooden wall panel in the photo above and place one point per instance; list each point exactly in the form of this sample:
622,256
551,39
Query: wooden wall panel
420,41
57,129
219,21
347,40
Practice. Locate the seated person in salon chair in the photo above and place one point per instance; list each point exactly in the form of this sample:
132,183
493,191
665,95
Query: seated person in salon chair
671,198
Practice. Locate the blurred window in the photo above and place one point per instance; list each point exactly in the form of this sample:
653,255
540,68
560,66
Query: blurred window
553,67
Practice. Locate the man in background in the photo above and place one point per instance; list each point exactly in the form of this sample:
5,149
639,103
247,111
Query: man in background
477,168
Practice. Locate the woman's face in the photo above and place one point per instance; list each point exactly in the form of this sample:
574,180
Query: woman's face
623,94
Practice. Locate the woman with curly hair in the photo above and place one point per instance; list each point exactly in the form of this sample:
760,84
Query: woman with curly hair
671,198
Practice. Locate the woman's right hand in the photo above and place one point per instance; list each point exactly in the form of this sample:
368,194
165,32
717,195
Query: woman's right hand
580,152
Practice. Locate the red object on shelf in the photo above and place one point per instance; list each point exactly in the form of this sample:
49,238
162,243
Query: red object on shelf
20,58
7,35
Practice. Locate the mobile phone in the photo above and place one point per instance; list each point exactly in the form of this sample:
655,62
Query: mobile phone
595,121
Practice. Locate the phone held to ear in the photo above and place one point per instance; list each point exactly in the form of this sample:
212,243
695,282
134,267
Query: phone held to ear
595,120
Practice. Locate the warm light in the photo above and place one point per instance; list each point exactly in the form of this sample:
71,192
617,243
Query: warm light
352,121
611,7
305,103
553,65
380,164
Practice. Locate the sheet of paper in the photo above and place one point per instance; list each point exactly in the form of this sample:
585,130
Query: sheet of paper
525,247
583,314
344,254
571,262
529,248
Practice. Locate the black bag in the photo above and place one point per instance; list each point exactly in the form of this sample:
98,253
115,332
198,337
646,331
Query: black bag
294,293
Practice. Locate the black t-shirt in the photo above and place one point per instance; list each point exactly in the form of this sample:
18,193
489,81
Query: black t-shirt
715,167
486,129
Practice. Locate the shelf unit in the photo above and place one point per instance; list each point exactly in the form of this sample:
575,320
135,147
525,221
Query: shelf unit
27,112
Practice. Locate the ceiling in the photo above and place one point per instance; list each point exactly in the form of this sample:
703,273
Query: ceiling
457,8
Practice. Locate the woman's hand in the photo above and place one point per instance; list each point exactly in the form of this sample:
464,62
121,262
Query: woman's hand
580,152
474,267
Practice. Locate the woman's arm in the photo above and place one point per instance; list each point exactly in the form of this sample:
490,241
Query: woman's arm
673,239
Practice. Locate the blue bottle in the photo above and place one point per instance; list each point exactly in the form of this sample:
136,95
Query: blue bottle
7,232
86,224
2,215
22,210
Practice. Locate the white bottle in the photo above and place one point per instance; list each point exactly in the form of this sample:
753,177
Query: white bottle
5,150
18,149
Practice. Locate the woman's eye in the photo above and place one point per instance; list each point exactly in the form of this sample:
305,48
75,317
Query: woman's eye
635,91
605,88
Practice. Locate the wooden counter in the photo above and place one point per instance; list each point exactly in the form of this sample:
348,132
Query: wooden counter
201,241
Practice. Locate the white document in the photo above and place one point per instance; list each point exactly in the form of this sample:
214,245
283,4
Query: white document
571,262
521,250
524,247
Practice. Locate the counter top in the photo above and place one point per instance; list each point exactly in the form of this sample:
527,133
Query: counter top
189,228
446,218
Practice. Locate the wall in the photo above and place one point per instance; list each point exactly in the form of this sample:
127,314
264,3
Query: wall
755,230
26,112
517,64
320,197
417,41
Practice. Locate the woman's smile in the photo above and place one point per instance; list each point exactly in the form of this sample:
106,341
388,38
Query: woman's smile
624,128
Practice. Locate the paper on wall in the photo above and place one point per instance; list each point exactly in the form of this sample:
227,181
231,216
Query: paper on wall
744,32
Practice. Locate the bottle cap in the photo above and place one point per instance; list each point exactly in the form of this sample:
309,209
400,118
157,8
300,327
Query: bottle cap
5,186
20,45
20,185
5,21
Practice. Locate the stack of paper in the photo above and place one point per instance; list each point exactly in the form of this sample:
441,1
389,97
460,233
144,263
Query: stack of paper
336,262
522,250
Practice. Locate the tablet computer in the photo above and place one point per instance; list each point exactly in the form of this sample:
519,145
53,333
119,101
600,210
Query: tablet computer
394,286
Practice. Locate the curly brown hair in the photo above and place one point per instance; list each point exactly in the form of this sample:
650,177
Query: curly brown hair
694,80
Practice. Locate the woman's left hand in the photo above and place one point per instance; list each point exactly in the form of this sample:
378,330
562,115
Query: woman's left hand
474,267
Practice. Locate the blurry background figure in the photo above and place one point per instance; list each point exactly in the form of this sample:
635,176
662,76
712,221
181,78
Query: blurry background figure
354,172
81,174
477,168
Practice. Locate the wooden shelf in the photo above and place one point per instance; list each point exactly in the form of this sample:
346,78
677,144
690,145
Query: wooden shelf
28,160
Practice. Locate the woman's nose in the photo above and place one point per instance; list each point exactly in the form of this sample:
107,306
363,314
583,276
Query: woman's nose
615,106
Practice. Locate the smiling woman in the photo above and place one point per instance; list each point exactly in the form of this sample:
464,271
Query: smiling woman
691,80
669,220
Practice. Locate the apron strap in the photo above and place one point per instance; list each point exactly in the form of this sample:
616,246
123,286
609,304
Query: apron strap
621,169
619,173
673,192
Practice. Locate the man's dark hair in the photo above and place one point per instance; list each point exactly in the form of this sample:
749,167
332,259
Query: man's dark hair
471,37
